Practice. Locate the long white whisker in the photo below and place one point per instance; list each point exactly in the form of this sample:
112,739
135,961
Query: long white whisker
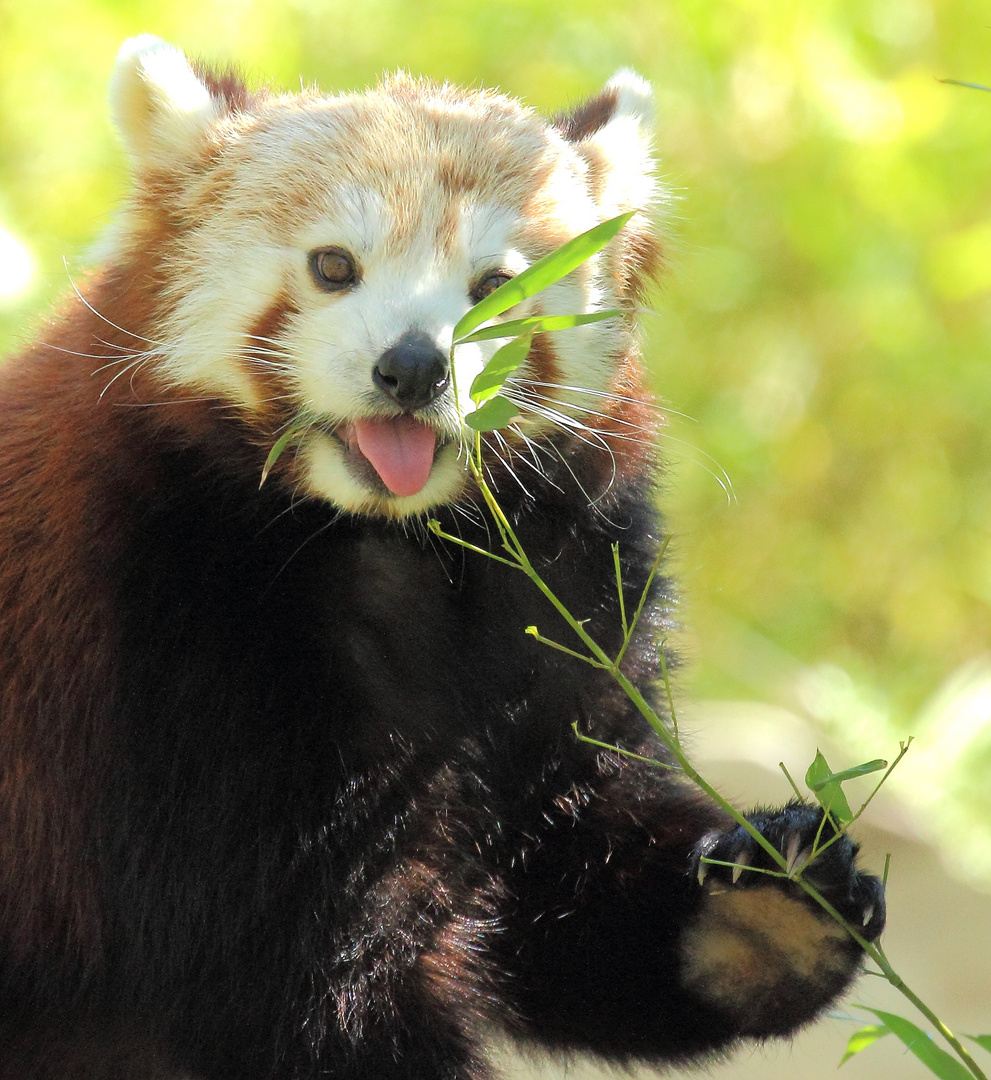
92,356
113,345
103,318
536,403
697,454
472,512
263,362
592,502
653,406
501,442
131,367
521,393
584,434
267,349
531,462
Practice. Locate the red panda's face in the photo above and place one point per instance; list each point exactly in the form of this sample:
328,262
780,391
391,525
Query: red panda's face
319,252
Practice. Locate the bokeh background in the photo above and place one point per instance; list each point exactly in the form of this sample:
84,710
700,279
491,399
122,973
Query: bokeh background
822,340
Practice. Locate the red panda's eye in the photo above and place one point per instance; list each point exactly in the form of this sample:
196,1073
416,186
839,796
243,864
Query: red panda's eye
333,269
489,284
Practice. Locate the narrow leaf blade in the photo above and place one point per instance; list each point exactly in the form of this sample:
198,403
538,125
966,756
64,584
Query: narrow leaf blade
937,1060
866,1036
984,1041
859,770
544,272
496,413
537,324
819,777
489,381
818,772
276,452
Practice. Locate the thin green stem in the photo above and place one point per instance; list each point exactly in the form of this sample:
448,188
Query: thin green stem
519,560
532,631
903,750
794,786
876,953
659,727
839,831
644,594
619,749
435,527
906,991
666,683
619,593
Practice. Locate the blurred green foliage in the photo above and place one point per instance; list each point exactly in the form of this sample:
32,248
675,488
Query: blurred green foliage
825,322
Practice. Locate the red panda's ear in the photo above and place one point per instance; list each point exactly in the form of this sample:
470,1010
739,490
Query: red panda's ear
162,108
626,96
612,131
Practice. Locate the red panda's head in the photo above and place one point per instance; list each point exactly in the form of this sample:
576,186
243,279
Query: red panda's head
316,252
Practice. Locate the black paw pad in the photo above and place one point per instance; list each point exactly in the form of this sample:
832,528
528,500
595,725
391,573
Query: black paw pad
734,860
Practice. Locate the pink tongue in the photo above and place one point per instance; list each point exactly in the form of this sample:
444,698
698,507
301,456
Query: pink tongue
401,451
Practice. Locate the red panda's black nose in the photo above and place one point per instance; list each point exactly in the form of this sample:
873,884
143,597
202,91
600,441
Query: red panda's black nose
413,371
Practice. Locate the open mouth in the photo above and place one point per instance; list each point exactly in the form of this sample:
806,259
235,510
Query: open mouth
398,450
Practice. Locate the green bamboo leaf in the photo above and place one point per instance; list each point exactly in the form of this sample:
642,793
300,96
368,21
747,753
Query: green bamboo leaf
984,1041
818,772
537,324
489,381
827,790
544,272
937,1060
859,770
276,452
863,1038
497,412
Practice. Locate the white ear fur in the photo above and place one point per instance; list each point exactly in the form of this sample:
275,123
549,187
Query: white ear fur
634,97
161,107
624,144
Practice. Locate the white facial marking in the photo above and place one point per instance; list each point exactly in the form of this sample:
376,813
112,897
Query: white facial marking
228,284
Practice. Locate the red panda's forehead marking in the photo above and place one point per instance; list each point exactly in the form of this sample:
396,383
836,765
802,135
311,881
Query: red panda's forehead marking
423,155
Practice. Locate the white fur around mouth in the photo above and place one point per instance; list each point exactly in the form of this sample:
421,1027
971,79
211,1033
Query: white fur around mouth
335,470
394,455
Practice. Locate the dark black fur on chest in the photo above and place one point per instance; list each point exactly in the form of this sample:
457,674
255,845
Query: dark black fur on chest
330,818
307,703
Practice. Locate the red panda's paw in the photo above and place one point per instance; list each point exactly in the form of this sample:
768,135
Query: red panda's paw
761,950
735,860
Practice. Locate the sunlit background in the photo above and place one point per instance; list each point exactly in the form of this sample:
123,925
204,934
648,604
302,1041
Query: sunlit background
822,338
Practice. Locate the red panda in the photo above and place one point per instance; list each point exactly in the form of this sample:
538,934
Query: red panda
285,790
